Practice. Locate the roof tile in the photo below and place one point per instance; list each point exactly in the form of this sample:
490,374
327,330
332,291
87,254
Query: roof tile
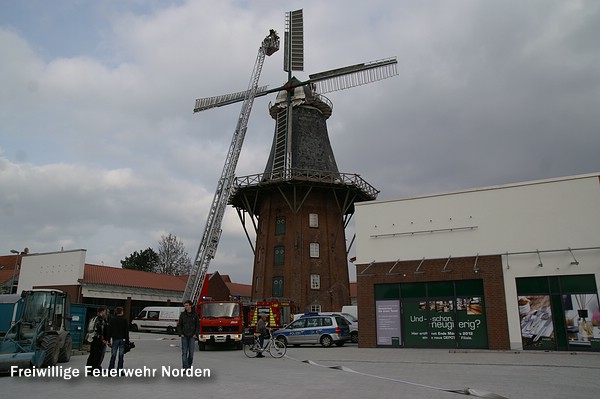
106,275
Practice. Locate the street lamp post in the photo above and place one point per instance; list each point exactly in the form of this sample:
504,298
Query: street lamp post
12,280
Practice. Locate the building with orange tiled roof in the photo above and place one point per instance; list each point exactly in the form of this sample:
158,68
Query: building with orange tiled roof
9,273
111,286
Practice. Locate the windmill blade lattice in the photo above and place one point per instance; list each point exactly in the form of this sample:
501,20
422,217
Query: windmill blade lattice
225,99
355,75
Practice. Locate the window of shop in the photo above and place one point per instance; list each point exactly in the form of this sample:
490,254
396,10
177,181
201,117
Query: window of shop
559,312
445,314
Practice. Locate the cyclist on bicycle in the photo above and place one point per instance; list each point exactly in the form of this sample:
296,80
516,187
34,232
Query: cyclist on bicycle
262,328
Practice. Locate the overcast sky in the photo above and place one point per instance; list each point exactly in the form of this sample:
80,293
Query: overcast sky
100,149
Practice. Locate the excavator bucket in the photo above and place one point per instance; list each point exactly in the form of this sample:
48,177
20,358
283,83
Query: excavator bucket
20,360
19,349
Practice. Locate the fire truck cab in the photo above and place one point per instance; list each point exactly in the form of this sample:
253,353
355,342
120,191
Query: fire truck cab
221,322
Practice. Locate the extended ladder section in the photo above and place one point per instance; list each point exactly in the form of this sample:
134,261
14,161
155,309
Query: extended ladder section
212,230
280,144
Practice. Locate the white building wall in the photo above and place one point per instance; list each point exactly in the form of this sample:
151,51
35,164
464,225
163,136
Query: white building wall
136,294
51,268
548,215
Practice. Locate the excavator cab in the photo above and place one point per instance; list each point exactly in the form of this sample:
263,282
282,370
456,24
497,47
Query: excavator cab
41,336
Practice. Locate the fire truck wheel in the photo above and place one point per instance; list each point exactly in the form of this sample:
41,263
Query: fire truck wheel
201,346
326,341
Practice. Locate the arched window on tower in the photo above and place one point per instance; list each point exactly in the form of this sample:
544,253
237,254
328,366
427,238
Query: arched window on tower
278,286
279,257
315,282
280,225
313,220
314,250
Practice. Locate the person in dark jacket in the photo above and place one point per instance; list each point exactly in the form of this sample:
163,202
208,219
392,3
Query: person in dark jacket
262,328
97,338
187,328
118,335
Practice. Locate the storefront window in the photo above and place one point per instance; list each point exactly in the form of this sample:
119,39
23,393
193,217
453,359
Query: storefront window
433,315
387,291
559,312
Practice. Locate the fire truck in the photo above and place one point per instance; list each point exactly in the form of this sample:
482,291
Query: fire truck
279,312
221,322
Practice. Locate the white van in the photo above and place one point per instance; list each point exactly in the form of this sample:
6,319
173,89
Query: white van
352,309
157,318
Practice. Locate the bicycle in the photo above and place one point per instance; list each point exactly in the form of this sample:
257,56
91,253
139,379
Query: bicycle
275,347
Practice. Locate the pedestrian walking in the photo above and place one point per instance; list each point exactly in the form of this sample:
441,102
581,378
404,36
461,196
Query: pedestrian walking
187,328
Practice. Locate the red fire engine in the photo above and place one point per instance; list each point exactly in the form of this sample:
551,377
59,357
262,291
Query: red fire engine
279,313
221,322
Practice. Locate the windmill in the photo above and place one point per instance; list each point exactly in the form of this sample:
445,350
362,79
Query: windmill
321,83
301,173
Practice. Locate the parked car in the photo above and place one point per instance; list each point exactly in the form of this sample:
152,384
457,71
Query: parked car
352,321
315,329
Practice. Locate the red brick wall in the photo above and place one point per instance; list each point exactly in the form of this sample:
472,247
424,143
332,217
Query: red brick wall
331,265
490,271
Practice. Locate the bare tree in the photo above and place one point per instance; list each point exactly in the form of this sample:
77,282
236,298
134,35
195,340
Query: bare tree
172,257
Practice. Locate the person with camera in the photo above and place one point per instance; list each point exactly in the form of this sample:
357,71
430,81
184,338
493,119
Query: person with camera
96,336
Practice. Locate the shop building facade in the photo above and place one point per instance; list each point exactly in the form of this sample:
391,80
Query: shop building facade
506,267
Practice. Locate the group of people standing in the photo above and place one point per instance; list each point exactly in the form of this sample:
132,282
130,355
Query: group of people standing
113,333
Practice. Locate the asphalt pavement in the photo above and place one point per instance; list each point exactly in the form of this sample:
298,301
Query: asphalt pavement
316,372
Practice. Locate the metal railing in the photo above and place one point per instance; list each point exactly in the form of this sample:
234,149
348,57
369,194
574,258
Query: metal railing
315,176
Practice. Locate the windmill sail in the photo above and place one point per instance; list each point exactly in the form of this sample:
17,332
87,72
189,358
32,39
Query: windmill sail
293,57
225,99
354,75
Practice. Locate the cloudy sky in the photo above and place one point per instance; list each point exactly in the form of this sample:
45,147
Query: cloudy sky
100,149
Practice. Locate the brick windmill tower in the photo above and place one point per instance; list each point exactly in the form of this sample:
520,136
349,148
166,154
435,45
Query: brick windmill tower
301,204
